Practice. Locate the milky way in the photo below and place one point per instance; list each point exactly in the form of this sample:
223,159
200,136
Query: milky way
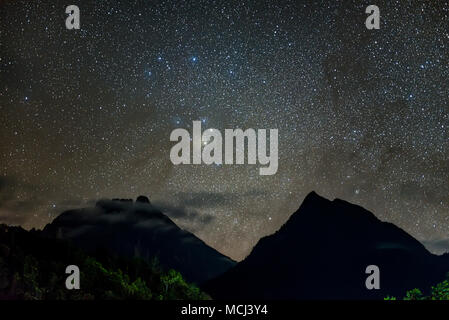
363,115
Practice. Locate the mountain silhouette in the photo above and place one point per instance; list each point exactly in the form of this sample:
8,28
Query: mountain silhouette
137,229
322,252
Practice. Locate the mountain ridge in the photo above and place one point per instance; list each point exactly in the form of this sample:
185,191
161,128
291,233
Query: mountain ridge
324,248
139,229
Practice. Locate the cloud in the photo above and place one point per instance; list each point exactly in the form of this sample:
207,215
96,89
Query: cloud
411,190
7,184
133,214
4,181
13,209
204,199
191,208
21,201
437,246
72,203
123,212
213,199
183,213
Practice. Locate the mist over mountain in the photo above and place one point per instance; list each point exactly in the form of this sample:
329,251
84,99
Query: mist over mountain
138,229
439,246
322,252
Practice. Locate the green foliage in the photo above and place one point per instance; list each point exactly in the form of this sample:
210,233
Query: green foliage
175,284
30,279
113,284
414,294
33,268
438,292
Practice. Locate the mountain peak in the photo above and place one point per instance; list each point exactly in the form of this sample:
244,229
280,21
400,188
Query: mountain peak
139,229
317,208
143,199
313,196
314,199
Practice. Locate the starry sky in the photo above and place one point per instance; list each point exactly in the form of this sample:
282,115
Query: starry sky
363,115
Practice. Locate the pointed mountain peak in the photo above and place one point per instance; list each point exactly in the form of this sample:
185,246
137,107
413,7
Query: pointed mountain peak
317,210
129,229
315,204
326,237
143,199
312,202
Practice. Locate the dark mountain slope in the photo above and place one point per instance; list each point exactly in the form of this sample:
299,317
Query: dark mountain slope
138,229
322,253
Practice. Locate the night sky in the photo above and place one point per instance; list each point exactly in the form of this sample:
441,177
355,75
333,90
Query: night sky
363,115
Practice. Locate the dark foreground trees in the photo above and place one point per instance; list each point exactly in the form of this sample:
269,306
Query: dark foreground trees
32,267
437,292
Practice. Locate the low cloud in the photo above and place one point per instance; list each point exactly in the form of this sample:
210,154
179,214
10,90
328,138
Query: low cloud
183,213
15,210
134,214
213,199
